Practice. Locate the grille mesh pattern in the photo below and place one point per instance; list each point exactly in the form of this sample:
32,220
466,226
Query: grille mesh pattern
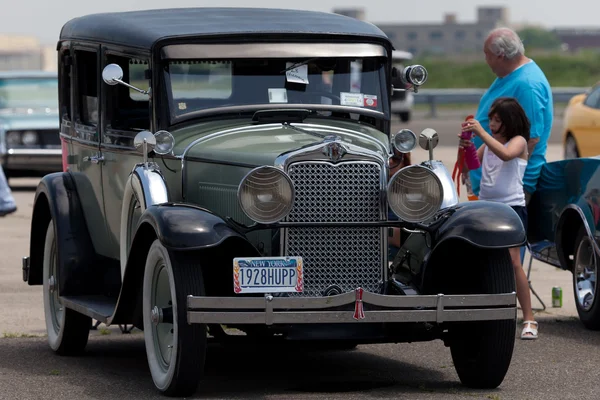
346,257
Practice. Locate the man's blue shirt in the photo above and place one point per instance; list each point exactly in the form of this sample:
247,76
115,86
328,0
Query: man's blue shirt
529,86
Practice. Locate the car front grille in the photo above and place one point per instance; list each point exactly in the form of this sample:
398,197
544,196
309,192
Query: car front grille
337,260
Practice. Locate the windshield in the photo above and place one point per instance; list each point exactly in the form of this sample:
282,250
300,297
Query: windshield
36,93
197,85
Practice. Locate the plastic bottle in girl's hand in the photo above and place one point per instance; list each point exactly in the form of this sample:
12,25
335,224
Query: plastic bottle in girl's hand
470,152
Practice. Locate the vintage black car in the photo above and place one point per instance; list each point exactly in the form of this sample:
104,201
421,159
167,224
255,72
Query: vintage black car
564,228
232,167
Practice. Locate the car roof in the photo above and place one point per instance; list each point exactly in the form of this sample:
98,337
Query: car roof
143,29
12,74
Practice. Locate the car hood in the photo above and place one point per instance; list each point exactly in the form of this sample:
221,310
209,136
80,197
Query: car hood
29,121
262,144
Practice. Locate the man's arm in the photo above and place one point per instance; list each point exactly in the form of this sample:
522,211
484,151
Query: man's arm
531,145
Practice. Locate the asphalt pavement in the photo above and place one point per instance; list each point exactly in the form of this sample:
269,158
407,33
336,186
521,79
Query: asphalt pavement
561,364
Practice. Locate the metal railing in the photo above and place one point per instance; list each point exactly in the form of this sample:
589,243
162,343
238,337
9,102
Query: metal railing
433,97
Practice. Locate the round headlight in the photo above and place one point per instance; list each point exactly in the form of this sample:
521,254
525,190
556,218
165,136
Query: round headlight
13,138
416,74
404,141
164,142
266,194
415,193
29,138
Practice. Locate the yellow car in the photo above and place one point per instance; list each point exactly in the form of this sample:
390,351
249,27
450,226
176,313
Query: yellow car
581,137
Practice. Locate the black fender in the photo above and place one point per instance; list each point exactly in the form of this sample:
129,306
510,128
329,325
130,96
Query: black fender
56,198
481,224
182,227
187,227
484,224
571,219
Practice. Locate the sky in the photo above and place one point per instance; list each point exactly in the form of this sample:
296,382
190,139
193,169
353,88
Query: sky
44,18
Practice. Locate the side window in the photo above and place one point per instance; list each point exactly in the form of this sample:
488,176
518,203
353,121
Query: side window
64,83
593,99
127,110
87,87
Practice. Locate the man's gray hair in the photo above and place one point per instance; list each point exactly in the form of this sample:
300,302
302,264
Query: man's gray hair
505,42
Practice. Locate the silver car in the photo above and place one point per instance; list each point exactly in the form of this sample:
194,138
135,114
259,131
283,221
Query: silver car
29,124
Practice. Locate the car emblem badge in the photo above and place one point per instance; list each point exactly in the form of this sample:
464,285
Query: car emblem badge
334,151
359,312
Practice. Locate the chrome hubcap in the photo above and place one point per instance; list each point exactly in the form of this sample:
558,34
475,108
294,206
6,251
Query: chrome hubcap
161,316
585,274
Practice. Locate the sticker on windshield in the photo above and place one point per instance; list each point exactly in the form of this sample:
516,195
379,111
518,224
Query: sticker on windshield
277,95
370,100
298,74
352,99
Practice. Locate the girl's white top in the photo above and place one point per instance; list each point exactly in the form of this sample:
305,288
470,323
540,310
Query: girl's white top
502,181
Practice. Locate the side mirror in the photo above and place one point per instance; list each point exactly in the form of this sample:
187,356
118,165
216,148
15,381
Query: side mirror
428,140
147,141
112,74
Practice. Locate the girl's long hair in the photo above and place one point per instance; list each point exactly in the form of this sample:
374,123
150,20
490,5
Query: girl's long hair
513,117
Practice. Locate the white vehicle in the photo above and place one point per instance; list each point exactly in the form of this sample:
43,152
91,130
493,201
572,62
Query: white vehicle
402,102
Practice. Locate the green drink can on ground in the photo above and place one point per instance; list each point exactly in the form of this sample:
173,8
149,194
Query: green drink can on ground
557,296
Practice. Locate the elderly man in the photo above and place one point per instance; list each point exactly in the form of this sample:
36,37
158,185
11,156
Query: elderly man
519,77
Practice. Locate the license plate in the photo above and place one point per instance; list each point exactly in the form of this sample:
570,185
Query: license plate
267,275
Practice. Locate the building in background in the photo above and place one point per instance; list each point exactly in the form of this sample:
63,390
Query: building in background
575,39
448,37
26,52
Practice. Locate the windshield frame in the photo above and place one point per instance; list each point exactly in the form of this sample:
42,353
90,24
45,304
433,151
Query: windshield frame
26,80
273,50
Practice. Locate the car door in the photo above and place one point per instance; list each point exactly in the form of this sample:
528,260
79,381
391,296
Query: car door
587,125
85,158
125,113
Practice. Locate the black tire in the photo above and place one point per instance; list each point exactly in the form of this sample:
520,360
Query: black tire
176,371
404,116
571,151
482,350
68,331
588,306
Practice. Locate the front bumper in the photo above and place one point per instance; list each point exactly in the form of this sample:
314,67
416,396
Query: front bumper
271,310
43,160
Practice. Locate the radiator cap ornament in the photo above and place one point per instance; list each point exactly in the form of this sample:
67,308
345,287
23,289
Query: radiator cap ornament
334,149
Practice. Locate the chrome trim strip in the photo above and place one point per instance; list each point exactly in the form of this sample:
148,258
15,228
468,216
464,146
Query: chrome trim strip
401,308
148,185
272,50
35,152
152,184
449,188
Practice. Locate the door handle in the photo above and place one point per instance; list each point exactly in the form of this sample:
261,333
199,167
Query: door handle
94,159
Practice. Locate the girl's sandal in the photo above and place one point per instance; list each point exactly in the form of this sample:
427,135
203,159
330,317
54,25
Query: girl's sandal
528,332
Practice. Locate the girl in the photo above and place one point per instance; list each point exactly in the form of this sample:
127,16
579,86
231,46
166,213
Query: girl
503,156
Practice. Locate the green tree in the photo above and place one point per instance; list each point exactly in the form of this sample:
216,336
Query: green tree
538,38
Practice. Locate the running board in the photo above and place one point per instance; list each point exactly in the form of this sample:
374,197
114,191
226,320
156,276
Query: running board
98,307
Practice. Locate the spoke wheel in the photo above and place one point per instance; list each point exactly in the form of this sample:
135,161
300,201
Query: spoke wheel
585,285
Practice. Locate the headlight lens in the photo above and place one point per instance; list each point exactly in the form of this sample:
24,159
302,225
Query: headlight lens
404,141
415,193
13,138
266,195
29,138
164,142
